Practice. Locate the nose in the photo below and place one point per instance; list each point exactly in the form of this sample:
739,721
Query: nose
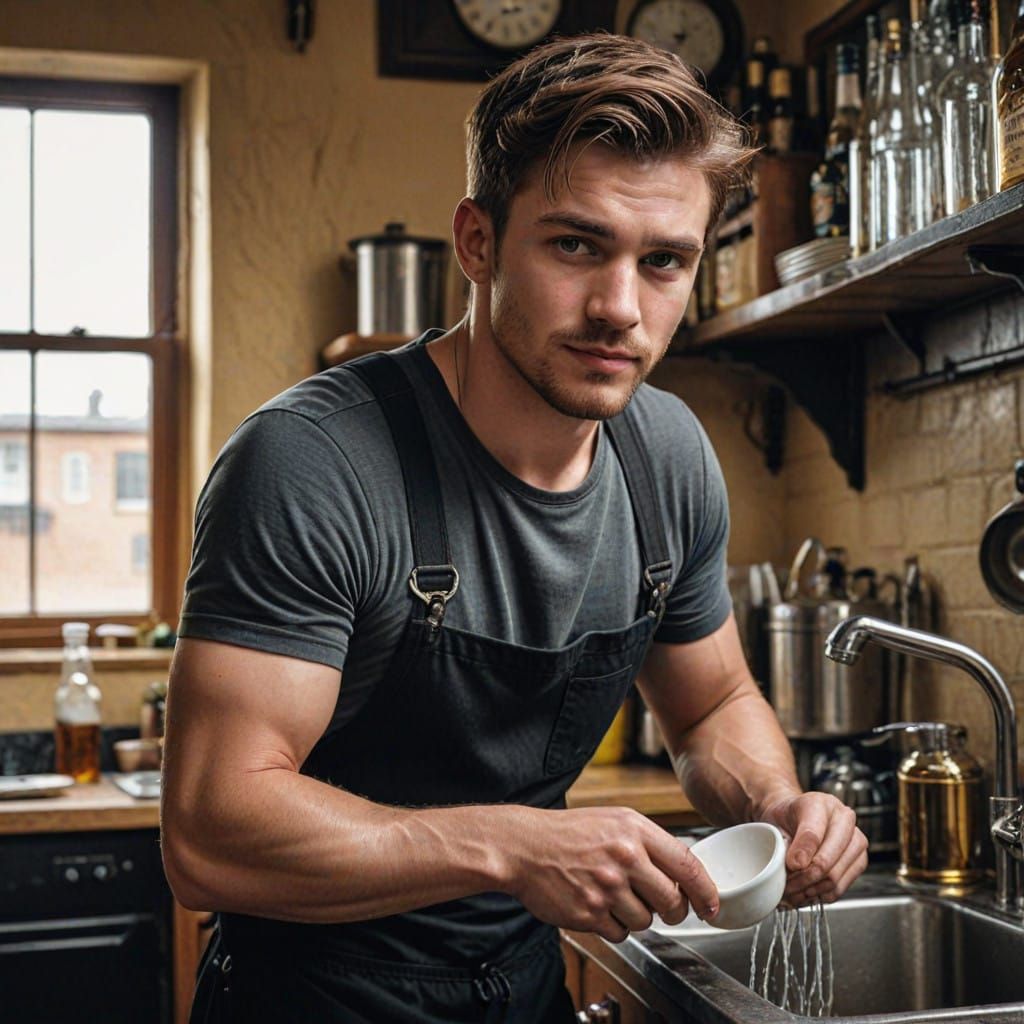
614,298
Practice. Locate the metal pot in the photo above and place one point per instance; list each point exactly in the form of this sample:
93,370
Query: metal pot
813,696
400,282
1002,550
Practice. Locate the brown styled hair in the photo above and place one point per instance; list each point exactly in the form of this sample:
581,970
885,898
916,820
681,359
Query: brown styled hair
640,100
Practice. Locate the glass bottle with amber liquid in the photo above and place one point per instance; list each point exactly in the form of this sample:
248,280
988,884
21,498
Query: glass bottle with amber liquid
1008,90
77,709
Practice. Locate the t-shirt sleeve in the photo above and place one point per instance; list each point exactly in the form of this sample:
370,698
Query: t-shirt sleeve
699,601
284,543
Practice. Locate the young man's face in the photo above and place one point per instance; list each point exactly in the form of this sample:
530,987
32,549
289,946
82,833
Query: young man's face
588,290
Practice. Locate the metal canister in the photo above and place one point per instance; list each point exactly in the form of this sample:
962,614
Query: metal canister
400,282
940,805
813,696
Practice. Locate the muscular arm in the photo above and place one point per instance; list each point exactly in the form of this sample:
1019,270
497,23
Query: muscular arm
723,737
243,831
735,763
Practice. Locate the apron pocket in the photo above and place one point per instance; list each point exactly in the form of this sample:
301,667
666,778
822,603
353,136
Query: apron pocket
588,707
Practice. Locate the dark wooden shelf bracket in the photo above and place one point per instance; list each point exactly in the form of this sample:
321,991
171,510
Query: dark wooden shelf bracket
826,379
906,330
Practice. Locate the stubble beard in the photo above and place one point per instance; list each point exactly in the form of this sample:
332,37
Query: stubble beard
512,323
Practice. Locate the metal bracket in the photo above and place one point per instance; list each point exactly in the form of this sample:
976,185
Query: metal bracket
998,261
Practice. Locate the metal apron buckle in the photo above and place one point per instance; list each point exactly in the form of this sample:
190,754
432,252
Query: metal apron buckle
435,600
657,592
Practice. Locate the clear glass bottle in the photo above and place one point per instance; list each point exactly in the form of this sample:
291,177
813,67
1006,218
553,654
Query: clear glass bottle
900,174
830,181
942,32
964,98
77,709
922,70
860,144
1008,89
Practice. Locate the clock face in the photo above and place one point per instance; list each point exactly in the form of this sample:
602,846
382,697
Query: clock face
688,28
509,24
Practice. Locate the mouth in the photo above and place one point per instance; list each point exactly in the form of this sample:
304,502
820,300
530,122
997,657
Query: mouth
610,361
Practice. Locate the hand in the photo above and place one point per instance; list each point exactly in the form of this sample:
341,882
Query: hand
604,869
827,852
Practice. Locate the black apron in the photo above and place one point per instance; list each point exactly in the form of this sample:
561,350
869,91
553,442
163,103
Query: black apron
457,719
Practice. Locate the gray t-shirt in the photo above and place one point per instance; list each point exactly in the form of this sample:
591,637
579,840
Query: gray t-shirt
303,548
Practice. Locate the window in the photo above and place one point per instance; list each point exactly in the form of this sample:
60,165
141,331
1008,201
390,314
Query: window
140,553
132,480
74,472
13,473
88,353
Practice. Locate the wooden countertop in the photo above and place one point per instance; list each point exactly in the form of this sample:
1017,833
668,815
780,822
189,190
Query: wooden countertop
100,806
88,807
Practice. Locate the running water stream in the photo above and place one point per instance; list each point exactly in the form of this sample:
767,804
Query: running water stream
796,974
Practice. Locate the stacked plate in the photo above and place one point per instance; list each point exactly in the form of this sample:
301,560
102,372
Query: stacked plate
811,258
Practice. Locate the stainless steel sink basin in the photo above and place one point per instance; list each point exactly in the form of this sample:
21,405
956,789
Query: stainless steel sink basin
899,954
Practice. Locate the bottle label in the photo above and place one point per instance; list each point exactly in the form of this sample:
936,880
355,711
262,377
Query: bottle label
1012,148
780,134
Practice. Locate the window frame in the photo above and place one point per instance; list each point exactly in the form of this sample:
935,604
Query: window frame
161,103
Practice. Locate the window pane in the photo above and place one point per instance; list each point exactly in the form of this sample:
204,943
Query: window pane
91,409
15,139
15,395
92,217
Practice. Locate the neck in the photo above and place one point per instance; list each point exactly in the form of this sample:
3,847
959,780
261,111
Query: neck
533,441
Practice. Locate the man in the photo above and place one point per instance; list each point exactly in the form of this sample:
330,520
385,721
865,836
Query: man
423,583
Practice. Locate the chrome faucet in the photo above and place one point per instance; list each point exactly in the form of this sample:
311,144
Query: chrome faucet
1006,813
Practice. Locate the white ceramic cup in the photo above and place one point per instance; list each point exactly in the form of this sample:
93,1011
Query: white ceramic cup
747,863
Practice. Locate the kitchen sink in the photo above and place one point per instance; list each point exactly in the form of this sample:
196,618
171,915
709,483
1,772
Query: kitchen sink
900,953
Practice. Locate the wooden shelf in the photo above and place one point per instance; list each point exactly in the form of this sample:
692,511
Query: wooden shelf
912,275
809,335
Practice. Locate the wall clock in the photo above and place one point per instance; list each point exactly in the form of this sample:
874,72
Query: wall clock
475,39
707,34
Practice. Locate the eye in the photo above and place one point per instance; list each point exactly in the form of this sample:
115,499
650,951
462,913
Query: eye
570,245
666,261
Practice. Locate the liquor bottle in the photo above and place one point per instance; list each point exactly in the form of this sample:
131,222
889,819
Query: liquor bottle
830,207
764,51
860,144
755,102
77,709
901,179
1008,87
781,118
964,99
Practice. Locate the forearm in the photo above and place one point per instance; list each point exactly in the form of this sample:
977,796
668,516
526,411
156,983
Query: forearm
735,762
278,844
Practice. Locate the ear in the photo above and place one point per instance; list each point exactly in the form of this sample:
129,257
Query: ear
473,237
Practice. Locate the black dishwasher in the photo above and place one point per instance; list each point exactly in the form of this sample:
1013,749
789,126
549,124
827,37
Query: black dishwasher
85,925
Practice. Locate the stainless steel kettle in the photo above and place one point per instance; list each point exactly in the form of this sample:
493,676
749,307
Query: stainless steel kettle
813,696
400,282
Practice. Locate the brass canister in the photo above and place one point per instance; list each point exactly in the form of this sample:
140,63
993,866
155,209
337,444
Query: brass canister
940,806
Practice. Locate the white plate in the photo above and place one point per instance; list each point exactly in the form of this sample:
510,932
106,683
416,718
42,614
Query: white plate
22,787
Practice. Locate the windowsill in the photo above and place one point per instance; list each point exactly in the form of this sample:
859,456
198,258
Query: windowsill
19,660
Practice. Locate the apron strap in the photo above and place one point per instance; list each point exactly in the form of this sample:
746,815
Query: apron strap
433,579
636,468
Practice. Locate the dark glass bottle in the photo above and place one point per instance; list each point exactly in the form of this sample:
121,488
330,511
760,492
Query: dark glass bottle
755,102
781,119
830,203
